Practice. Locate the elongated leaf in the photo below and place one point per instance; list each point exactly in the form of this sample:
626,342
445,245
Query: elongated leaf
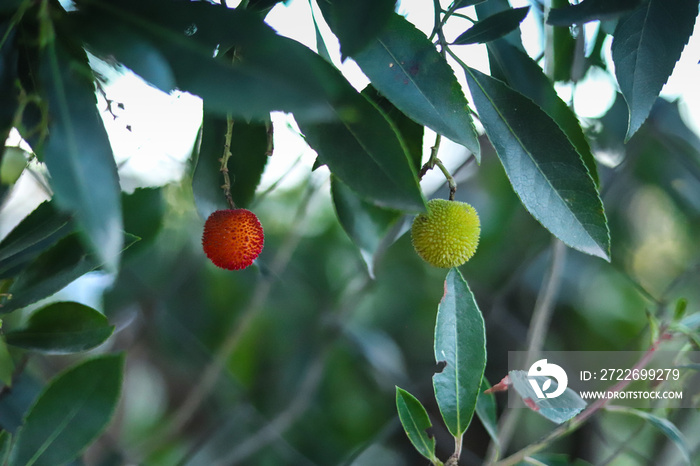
270,72
9,93
493,27
366,224
78,153
646,46
62,328
460,343
559,409
405,67
246,164
356,22
71,412
525,76
486,411
51,271
543,167
7,367
366,152
36,232
664,425
492,7
415,421
590,10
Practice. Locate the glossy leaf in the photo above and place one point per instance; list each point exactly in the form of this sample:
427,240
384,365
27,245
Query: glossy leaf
356,22
524,75
460,343
543,167
78,153
589,10
486,411
365,151
62,328
405,67
7,366
493,27
36,232
52,270
249,146
70,413
415,421
559,409
646,46
664,425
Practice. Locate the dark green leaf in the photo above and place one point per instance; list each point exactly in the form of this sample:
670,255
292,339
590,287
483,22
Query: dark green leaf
486,411
646,45
8,91
249,146
559,409
543,167
460,343
664,425
411,132
7,366
36,232
70,413
62,328
78,153
525,76
356,22
51,271
590,10
365,223
415,421
270,72
143,212
492,7
405,67
365,151
493,27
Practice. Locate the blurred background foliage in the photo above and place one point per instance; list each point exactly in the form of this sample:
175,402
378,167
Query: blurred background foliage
314,344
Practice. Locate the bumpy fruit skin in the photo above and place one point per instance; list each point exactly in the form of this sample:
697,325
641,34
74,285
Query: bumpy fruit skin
232,238
448,234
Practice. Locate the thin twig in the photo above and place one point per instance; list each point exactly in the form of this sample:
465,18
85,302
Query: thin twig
224,163
539,324
582,417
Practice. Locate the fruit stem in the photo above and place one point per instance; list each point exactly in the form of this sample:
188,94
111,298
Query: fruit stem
434,161
224,163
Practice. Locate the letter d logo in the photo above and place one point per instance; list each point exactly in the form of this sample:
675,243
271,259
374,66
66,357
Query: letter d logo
543,368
